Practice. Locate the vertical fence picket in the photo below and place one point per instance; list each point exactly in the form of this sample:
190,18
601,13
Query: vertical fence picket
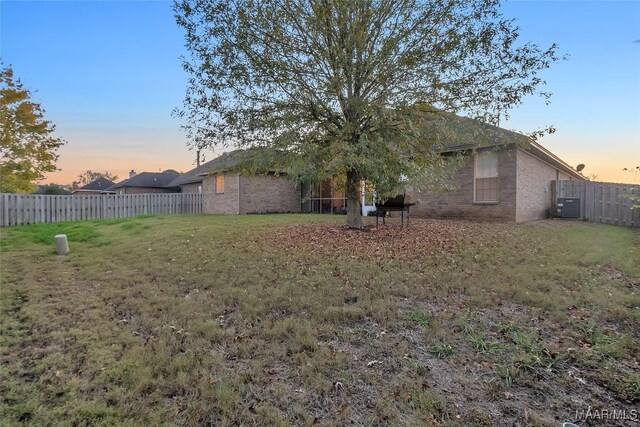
594,197
26,215
59,209
52,209
31,209
11,209
73,201
30,199
3,214
62,205
3,210
19,211
8,210
45,208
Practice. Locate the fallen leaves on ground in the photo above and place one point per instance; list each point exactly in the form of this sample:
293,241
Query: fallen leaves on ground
422,236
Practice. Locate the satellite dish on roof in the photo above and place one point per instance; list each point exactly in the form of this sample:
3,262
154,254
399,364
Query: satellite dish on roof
580,167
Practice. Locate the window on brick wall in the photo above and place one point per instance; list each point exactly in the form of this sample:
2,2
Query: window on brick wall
219,184
486,177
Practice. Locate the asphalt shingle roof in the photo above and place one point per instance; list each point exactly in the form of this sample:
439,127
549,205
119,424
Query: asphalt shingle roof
454,133
463,133
221,163
486,133
98,184
258,158
148,180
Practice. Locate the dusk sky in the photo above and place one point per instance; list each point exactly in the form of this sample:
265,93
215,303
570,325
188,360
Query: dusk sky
108,75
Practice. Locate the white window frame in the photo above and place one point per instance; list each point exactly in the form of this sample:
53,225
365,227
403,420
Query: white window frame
475,178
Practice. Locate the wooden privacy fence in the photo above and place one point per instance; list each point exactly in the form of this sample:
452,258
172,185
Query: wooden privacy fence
22,209
602,201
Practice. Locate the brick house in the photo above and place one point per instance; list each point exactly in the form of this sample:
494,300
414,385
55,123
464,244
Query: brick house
97,186
505,176
502,181
191,181
227,190
146,182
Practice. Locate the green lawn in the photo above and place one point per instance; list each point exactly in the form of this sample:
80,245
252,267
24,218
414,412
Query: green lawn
292,320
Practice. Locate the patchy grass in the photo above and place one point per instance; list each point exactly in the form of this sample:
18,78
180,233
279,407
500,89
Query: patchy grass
442,350
418,318
290,319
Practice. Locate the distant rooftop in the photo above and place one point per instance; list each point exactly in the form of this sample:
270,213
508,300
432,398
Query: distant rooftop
98,184
148,180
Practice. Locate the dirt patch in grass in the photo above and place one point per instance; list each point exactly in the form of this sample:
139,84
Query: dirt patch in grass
290,320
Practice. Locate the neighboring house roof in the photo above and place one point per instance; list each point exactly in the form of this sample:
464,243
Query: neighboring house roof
98,184
148,180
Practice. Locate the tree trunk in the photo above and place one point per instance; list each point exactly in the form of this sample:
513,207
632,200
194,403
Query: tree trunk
354,210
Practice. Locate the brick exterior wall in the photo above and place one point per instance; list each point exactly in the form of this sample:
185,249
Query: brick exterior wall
268,193
144,190
258,194
534,186
224,203
191,188
524,192
460,203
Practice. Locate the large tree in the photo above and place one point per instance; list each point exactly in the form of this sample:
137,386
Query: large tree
352,88
27,144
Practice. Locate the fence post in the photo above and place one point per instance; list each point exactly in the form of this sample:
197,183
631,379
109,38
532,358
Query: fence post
3,215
